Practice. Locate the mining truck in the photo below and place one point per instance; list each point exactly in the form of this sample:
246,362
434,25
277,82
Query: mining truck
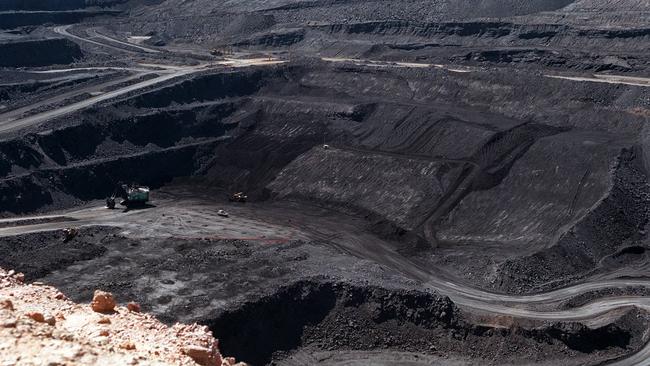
221,51
132,195
70,233
238,197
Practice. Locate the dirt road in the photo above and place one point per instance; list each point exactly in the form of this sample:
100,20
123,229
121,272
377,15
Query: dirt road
107,38
63,30
379,63
15,119
607,79
9,121
195,218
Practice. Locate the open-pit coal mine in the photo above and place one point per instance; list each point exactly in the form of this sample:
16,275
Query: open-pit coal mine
334,182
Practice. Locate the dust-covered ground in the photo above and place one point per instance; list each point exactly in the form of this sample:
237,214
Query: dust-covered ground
274,286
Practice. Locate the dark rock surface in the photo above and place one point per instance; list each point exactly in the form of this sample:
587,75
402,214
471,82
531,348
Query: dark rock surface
38,52
494,145
268,303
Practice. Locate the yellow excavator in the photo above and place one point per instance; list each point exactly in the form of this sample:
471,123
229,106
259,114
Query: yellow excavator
238,197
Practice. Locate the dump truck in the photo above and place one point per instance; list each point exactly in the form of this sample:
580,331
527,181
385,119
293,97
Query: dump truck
238,197
221,51
132,195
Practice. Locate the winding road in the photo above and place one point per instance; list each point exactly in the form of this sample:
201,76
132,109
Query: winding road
19,118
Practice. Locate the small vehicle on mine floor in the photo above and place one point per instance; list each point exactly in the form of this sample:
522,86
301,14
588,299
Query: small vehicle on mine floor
132,195
221,51
70,233
222,213
238,197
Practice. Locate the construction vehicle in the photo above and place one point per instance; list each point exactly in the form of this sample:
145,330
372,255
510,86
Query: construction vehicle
110,202
216,52
132,195
221,51
69,233
238,197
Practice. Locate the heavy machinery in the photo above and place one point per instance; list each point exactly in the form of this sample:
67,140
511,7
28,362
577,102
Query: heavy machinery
238,197
132,195
221,51
69,233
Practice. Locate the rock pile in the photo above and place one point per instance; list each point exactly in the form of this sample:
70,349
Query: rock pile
38,325
103,302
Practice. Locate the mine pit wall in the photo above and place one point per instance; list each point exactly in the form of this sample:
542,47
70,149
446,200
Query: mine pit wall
211,87
32,5
17,94
97,140
11,20
84,161
500,43
250,161
263,136
273,133
526,190
138,132
493,33
42,52
494,95
313,316
393,187
64,186
619,220
282,38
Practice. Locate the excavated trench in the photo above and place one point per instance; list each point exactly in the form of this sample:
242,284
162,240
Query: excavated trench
33,5
85,161
16,19
38,52
312,316
159,140
614,228
217,283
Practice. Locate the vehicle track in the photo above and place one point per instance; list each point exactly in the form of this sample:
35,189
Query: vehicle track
257,223
110,39
17,114
327,229
18,123
63,30
607,79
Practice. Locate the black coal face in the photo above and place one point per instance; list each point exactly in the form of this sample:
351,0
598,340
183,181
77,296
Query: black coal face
255,331
33,5
37,52
329,315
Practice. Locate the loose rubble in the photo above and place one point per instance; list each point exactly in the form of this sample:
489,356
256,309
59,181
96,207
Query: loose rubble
38,325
